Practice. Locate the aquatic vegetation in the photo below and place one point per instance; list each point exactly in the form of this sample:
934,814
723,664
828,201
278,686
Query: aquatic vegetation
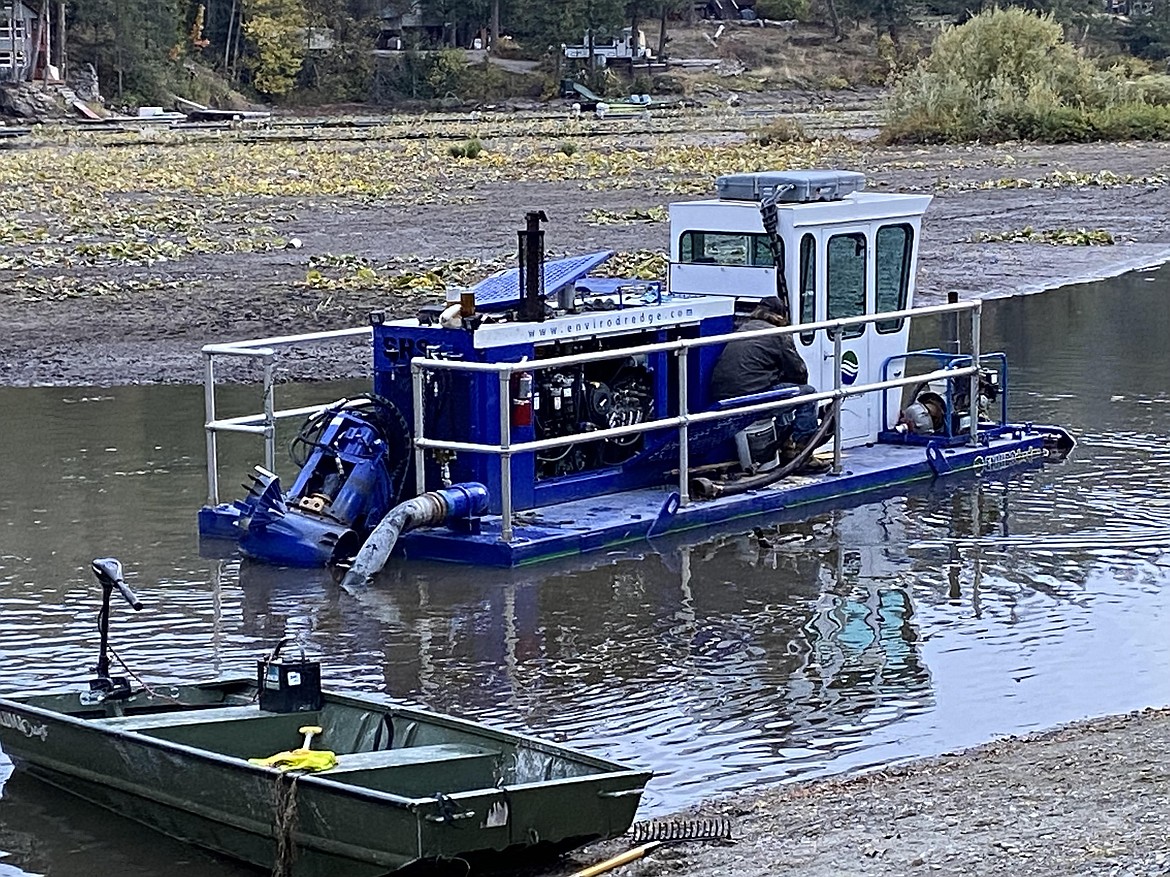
1058,237
63,286
1061,180
160,196
626,217
642,264
412,274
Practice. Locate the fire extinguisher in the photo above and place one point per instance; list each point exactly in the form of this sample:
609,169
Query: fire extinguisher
521,399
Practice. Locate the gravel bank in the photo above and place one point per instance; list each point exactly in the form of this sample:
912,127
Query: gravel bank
1087,799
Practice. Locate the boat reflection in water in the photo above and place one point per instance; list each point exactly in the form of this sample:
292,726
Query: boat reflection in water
747,658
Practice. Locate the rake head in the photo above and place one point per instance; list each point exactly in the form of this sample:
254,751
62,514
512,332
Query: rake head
678,830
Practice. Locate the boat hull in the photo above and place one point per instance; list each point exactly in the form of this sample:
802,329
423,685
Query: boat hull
573,528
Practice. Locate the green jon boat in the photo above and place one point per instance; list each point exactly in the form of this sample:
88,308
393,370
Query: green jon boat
407,787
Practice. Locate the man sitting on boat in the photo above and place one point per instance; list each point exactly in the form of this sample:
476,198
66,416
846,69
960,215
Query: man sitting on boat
759,365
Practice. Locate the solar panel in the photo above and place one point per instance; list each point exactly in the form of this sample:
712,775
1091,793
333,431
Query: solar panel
502,290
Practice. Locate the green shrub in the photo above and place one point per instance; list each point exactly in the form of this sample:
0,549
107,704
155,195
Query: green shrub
467,149
1132,121
1009,74
420,75
780,130
568,147
1155,89
783,10
447,73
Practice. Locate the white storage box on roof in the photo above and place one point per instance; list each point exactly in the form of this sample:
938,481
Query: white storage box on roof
790,186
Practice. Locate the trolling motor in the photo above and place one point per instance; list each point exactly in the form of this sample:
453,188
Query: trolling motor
109,574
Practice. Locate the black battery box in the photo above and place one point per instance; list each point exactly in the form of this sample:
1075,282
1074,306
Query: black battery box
289,686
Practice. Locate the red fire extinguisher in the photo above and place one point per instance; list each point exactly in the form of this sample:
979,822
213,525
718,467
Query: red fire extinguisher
521,399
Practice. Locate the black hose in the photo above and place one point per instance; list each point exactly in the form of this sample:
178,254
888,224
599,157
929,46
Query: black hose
420,511
709,489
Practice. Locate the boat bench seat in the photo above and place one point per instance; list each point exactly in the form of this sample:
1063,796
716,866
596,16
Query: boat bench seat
239,732
776,395
419,771
173,718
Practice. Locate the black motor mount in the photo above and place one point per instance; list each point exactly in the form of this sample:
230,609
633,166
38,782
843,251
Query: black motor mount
108,571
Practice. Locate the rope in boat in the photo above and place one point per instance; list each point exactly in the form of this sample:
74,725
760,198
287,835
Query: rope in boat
145,685
284,823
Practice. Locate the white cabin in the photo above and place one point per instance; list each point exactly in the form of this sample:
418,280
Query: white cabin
844,256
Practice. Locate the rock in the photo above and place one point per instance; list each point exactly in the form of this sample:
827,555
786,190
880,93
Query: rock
27,100
84,82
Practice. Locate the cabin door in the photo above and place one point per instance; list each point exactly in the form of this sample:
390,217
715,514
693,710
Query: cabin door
834,272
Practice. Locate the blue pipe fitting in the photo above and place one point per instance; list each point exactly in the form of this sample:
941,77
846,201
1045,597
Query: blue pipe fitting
466,500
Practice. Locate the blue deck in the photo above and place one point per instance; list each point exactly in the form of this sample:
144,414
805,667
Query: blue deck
581,526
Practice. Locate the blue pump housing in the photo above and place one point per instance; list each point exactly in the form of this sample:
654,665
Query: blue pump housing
351,478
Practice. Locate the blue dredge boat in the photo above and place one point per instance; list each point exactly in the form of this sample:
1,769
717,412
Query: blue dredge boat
546,412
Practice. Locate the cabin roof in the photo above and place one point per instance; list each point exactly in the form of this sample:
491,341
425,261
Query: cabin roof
858,207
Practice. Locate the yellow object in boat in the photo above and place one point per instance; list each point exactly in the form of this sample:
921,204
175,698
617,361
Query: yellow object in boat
299,759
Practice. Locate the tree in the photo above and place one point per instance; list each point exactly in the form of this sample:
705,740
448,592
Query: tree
552,22
276,31
1146,33
128,41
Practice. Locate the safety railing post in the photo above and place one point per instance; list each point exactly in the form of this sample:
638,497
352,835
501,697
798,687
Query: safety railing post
420,453
212,438
269,414
684,409
505,457
973,387
837,333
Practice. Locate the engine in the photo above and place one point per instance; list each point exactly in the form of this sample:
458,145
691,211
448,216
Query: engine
586,398
931,413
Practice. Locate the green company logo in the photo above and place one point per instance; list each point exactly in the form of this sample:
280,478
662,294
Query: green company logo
849,367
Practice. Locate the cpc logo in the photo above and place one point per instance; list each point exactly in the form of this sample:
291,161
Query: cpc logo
850,367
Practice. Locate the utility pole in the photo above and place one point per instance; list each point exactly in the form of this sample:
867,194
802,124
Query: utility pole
12,40
61,54
227,44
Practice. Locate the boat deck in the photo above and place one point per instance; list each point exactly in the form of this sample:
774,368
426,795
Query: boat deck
575,527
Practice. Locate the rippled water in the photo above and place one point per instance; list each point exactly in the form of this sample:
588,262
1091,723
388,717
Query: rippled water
905,627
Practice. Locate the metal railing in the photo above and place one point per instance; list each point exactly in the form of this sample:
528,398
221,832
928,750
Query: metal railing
505,449
264,423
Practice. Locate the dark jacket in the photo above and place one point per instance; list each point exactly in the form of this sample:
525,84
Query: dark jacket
755,365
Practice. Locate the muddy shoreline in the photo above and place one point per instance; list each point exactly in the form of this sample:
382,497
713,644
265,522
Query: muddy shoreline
1088,798
154,334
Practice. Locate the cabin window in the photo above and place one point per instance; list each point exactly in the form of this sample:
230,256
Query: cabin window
5,59
6,28
808,284
845,295
894,247
721,248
